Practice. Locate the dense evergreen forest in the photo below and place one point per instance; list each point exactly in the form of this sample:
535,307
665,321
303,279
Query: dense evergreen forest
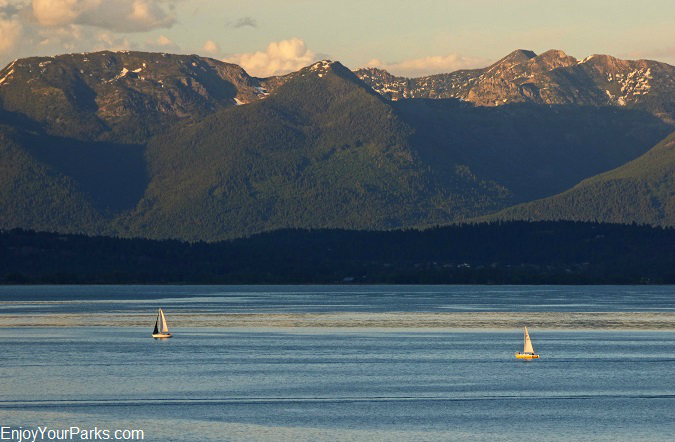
641,190
496,253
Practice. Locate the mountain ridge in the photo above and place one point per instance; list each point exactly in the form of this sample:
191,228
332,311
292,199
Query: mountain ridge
163,146
130,96
122,95
552,77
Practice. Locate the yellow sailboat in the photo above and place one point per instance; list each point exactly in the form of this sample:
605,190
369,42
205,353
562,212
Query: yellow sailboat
528,351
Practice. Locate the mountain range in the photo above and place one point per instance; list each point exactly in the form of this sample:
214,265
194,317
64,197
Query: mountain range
552,78
181,146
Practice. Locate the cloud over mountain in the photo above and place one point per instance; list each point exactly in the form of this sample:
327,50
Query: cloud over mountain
10,31
418,67
211,47
114,15
161,44
10,27
54,26
280,57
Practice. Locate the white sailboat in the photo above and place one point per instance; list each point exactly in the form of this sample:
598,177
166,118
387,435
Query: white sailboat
161,330
528,351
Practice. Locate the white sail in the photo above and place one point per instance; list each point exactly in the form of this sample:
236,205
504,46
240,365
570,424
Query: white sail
165,329
528,343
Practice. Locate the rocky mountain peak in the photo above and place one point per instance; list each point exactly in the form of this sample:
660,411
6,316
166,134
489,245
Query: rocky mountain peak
553,59
516,57
552,77
553,54
321,69
324,67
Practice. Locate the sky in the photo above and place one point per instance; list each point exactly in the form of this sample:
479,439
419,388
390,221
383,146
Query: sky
411,38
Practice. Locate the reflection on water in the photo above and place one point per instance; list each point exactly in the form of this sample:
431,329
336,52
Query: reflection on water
341,363
646,308
322,299
326,384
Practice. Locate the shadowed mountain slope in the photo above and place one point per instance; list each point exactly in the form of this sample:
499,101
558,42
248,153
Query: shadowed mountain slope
641,191
37,196
532,150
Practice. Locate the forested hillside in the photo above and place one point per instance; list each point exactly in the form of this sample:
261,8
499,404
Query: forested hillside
641,191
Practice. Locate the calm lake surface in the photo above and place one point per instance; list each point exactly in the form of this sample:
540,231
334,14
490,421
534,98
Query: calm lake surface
337,383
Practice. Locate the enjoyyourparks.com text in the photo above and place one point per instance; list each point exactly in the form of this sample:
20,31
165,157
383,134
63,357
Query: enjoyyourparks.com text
20,434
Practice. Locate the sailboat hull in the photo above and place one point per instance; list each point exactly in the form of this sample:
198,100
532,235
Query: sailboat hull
526,356
162,335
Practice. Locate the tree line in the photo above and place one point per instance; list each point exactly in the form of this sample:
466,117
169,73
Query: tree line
516,252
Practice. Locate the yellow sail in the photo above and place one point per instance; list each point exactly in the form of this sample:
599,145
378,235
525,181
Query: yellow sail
528,343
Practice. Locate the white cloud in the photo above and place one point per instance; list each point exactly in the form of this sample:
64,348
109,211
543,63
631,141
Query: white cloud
438,64
161,44
65,37
279,58
10,27
163,40
112,42
69,38
10,31
113,15
211,47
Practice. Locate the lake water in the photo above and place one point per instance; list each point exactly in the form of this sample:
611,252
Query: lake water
269,382
306,299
